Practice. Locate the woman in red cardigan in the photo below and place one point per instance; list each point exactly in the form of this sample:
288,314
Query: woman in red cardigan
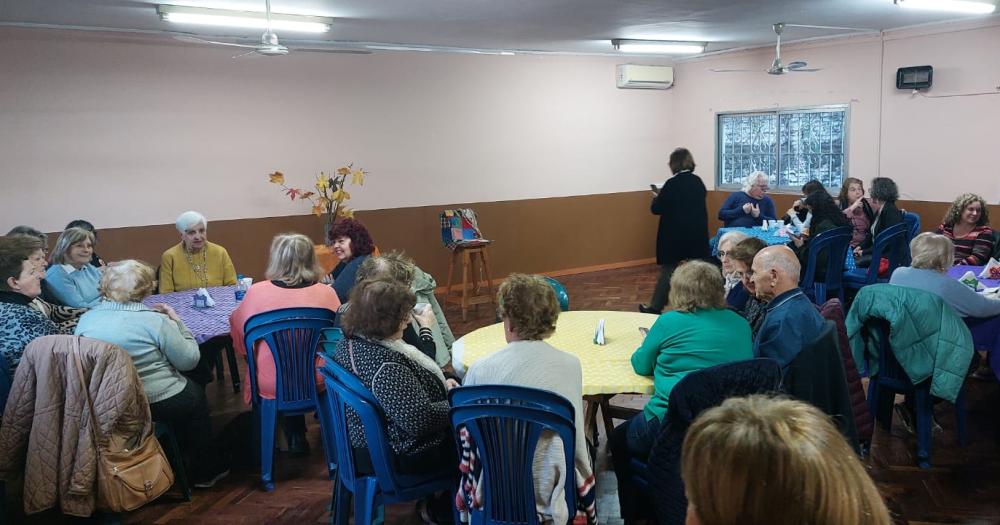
967,224
293,281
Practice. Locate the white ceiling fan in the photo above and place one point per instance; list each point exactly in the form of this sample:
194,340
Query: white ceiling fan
269,44
777,66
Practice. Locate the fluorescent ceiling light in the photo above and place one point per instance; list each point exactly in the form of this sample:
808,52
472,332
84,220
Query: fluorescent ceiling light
248,19
955,6
658,46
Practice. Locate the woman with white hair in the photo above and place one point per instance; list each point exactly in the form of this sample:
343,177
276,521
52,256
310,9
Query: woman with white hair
932,256
161,348
730,275
750,206
195,262
71,278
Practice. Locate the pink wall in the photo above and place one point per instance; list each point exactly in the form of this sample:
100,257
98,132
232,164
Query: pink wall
934,148
128,132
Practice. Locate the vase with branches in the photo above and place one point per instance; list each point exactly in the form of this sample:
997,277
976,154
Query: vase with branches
329,200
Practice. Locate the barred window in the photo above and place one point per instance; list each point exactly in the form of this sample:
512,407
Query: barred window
792,146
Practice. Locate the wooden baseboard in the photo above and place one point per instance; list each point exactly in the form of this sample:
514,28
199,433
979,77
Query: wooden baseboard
569,271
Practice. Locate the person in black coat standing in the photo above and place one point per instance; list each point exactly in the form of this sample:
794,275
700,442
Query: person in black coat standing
683,230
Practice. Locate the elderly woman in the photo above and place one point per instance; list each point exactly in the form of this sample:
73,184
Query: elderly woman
293,281
161,347
419,332
967,224
195,262
21,270
758,460
71,278
743,299
749,207
529,309
682,233
697,332
856,208
351,244
86,225
884,194
731,277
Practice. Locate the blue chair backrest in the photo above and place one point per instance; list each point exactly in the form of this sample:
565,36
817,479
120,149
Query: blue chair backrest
561,294
506,432
292,335
912,221
835,243
889,369
5,381
512,395
890,244
345,390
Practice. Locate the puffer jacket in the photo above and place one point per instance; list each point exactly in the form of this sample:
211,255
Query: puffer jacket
46,425
928,338
423,287
832,311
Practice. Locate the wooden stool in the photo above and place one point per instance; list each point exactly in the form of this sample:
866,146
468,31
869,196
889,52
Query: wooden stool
468,256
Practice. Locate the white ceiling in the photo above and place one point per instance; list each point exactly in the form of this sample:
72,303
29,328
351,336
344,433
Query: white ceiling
560,26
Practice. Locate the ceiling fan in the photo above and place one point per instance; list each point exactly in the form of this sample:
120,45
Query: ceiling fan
269,44
777,66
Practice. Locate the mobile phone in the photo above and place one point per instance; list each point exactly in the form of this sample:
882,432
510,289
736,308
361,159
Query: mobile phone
655,189
644,331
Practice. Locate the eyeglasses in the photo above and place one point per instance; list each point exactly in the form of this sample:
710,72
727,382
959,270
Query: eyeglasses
723,253
763,187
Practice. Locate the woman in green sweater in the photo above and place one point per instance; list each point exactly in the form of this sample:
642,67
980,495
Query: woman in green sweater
696,332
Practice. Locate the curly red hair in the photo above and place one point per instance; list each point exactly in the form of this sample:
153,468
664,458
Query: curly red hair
361,240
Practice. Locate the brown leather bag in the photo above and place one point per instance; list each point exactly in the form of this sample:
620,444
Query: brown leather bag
126,479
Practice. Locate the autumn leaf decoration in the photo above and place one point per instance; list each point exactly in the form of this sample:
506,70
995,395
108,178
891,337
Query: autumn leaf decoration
330,198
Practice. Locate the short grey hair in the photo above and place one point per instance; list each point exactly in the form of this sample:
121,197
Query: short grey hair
930,251
884,189
189,219
68,238
733,237
753,178
782,258
128,281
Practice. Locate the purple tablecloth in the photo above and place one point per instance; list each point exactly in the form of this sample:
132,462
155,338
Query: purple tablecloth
985,332
204,323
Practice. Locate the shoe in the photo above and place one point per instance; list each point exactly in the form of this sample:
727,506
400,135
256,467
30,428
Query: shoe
210,482
647,310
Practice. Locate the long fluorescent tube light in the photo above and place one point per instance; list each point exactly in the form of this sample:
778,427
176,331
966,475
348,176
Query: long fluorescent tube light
247,19
626,45
955,6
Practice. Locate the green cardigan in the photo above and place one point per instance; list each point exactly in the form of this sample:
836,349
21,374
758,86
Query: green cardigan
929,339
679,343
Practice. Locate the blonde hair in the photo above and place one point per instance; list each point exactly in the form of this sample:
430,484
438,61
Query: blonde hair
930,251
530,304
697,285
393,265
954,213
763,460
66,240
128,281
293,260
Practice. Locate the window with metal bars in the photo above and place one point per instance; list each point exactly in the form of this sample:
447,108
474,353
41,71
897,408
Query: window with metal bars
792,146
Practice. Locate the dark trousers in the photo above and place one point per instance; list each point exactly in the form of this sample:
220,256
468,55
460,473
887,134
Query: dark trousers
662,291
632,439
187,413
202,373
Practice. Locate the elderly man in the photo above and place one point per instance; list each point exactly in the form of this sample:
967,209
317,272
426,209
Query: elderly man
791,320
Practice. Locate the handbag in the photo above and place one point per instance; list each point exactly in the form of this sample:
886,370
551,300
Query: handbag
126,479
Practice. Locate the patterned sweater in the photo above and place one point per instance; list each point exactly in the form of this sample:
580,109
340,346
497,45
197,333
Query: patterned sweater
975,248
20,324
413,398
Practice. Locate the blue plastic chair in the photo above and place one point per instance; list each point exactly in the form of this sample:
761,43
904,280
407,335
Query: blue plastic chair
835,243
498,416
891,244
891,379
912,221
387,485
561,294
5,382
292,334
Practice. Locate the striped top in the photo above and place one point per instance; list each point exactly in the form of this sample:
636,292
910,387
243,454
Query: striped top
973,249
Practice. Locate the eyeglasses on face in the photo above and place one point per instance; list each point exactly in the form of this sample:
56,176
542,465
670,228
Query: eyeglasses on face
723,253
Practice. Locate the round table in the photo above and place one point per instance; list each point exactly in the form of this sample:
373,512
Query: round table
607,369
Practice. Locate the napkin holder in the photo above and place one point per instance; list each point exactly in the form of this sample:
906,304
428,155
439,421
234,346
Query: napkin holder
599,333
202,299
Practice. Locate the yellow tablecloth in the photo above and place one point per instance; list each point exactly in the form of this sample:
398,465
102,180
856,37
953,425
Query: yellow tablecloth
607,368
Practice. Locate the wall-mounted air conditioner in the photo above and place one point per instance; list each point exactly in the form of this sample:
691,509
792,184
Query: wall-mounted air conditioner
631,76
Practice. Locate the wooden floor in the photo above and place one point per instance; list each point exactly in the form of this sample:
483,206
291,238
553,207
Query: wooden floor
962,487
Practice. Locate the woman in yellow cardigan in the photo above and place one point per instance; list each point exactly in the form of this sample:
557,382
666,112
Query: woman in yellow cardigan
194,262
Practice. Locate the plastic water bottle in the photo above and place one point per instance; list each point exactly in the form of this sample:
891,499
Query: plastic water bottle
241,287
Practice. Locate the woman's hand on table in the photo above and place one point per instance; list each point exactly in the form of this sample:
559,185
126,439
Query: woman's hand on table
168,311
